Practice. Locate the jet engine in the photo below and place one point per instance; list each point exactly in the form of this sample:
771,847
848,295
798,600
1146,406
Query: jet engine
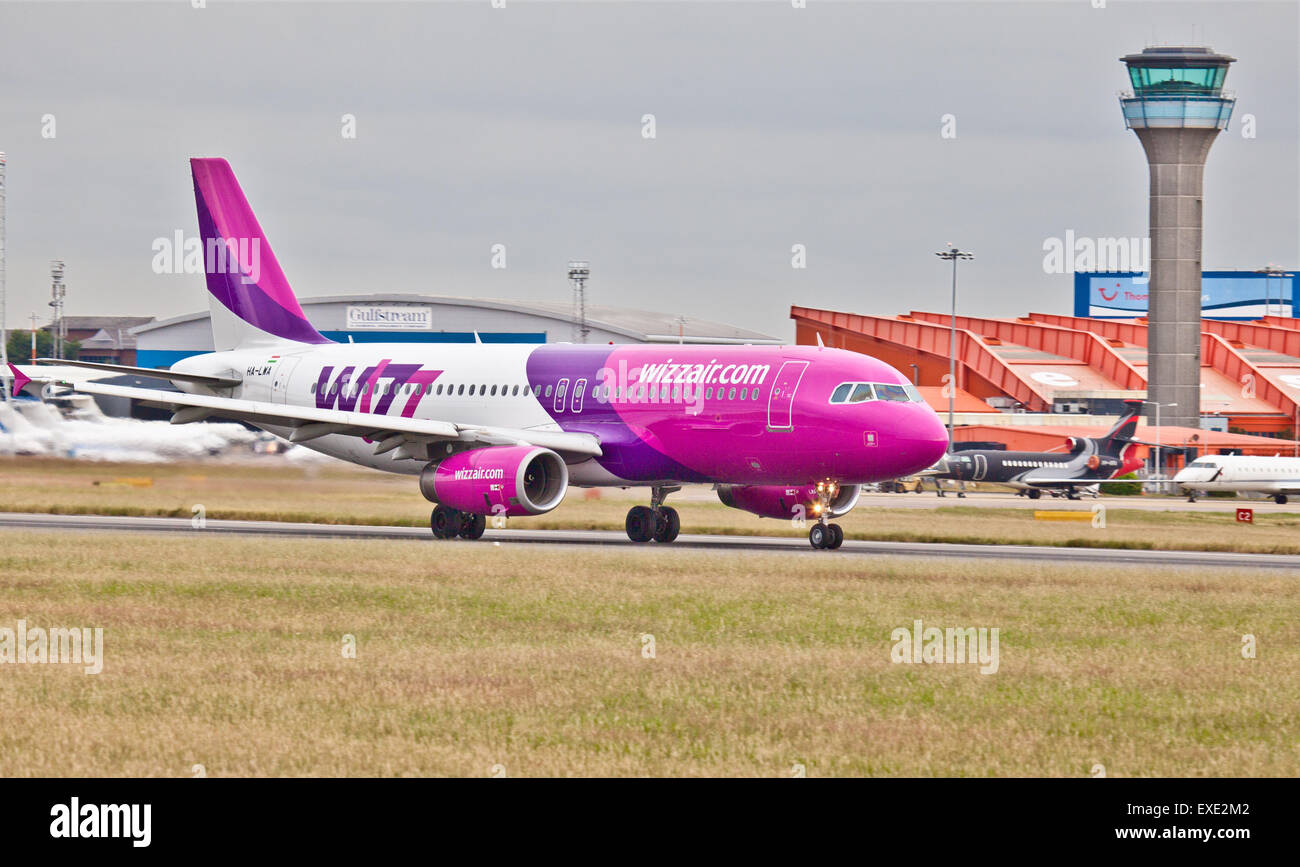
497,480
787,501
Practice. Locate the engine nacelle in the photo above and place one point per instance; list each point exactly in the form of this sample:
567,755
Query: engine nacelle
1074,444
498,480
787,501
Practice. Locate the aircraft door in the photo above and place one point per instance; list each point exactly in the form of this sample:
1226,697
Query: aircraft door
780,403
981,467
280,379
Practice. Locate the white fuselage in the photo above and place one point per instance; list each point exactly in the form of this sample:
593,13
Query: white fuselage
291,375
1268,475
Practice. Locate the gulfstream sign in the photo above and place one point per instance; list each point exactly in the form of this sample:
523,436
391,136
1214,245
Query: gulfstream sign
389,318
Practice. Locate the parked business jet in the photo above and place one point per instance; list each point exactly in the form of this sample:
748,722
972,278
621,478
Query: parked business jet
1087,461
504,429
1277,475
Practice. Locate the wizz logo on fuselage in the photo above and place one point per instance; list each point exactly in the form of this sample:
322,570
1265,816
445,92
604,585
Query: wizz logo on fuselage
386,380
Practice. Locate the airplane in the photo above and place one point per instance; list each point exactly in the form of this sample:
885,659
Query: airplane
502,430
1089,461
1278,476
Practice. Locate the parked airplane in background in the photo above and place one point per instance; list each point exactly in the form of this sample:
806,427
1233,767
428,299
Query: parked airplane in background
1276,475
503,429
1087,461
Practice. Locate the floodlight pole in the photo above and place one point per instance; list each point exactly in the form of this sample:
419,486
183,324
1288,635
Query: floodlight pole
578,274
4,325
953,254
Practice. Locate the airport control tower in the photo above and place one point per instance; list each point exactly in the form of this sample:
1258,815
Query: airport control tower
1177,107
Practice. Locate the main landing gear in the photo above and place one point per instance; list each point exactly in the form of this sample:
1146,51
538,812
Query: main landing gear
656,521
822,535
450,523
1280,499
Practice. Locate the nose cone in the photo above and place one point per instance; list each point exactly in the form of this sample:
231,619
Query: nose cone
921,440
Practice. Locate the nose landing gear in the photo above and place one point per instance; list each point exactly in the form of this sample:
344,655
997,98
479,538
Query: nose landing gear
656,521
823,535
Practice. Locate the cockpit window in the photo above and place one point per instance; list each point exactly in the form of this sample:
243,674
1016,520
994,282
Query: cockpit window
1205,465
861,392
891,392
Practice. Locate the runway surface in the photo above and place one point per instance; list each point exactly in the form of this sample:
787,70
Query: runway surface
854,549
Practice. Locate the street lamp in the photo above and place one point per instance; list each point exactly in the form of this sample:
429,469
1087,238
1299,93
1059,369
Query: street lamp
953,254
1159,466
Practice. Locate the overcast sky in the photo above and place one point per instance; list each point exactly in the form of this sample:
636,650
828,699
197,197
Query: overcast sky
522,126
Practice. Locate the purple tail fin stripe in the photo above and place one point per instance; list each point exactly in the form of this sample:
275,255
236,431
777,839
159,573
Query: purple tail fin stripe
267,304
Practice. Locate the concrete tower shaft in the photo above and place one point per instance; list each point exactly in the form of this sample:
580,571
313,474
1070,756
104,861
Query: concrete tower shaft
1177,108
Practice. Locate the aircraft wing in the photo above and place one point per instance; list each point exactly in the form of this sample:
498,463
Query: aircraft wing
203,379
390,433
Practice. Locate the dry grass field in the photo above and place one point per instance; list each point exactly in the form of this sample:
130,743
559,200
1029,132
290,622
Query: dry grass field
336,493
475,659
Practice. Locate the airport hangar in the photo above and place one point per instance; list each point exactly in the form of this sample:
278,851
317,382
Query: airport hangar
1030,382
399,318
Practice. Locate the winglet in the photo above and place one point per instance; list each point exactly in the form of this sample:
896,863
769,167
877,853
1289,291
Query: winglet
20,380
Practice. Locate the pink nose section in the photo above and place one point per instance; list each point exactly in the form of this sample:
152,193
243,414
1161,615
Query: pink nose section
922,439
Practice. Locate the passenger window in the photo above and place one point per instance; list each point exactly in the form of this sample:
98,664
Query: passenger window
708,393
841,392
461,390
494,391
731,395
548,390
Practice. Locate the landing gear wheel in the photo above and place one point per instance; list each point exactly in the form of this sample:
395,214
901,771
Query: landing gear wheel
1191,498
640,523
1034,494
837,536
473,526
667,525
1280,499
819,536
445,522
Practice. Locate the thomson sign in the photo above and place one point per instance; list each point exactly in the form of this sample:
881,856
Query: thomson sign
1224,294
377,317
